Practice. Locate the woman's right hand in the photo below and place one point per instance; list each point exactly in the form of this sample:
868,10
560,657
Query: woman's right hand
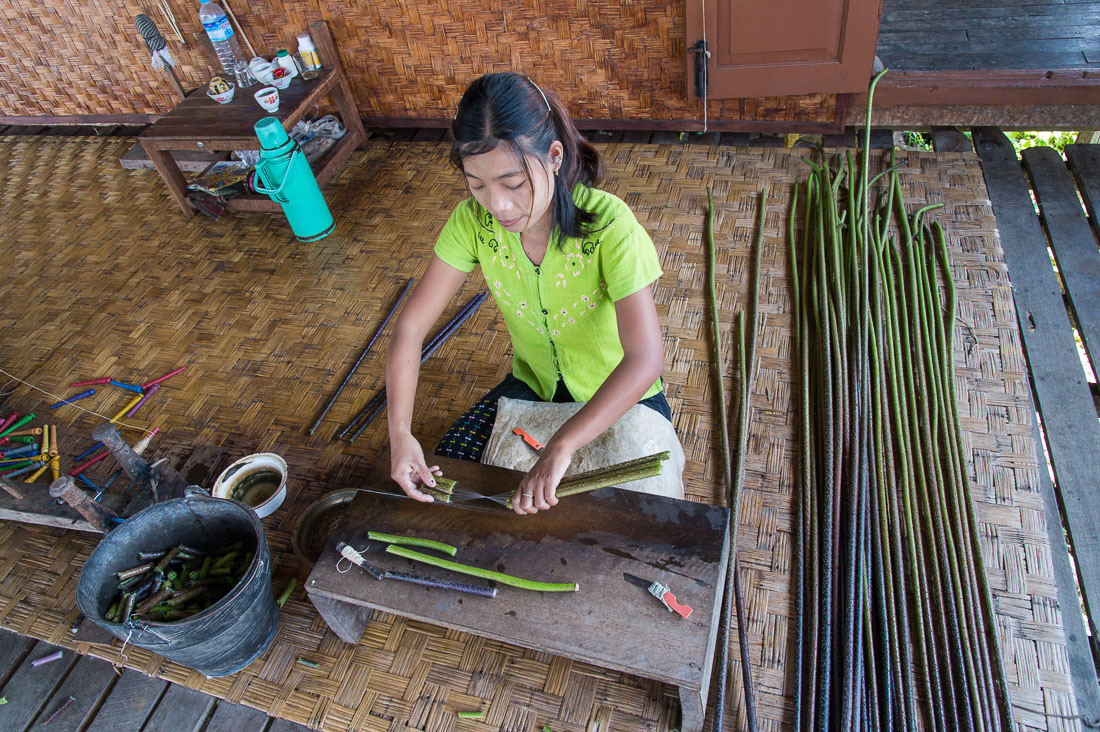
409,469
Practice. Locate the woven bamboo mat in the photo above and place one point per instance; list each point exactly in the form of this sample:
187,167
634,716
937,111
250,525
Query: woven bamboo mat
104,278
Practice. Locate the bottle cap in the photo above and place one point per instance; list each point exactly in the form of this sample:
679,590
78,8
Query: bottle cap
271,133
281,51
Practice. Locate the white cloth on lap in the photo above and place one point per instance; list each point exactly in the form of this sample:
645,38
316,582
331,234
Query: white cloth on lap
639,432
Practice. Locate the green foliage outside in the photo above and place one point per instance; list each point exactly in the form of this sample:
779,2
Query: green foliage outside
918,140
1056,140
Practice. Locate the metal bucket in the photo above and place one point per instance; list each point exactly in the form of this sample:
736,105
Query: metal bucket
223,638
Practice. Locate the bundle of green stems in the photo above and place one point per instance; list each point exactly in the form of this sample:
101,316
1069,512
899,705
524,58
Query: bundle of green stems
894,613
177,582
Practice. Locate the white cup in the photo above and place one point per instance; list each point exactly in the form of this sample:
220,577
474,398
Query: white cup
268,98
261,69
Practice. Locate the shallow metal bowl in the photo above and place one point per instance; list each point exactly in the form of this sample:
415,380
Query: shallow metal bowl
319,522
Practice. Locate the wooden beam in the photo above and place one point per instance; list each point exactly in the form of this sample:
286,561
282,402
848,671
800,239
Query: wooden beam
88,684
30,688
82,119
1082,668
973,87
236,718
1058,381
129,704
1071,239
180,710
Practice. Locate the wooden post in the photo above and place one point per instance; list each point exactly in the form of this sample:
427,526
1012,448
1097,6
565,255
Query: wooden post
96,514
322,40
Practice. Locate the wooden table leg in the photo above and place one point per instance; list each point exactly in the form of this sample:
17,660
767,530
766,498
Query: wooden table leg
173,178
692,710
345,102
348,621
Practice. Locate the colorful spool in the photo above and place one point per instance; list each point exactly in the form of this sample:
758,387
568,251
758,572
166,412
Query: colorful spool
88,452
129,387
92,382
125,409
17,424
31,449
145,397
8,462
55,461
34,476
8,420
24,468
87,464
70,400
169,375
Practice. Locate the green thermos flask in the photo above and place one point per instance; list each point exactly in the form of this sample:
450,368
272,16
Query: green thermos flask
283,174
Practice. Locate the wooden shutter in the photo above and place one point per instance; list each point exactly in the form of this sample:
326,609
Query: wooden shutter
778,47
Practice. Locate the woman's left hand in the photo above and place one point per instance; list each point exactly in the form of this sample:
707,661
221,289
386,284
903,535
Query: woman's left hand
537,489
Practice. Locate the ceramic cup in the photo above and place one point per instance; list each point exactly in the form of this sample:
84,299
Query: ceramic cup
268,97
224,97
261,69
280,78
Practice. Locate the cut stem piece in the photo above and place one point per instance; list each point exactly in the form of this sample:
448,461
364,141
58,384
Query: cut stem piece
412,541
488,574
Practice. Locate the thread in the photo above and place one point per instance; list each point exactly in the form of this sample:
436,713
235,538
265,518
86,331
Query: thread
57,398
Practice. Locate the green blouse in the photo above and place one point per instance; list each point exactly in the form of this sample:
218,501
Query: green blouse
561,313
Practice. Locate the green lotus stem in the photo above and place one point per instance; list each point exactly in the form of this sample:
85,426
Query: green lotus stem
412,541
445,485
286,593
441,496
719,381
597,472
609,480
487,574
479,714
802,507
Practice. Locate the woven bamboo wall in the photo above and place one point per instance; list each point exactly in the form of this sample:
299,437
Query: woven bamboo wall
609,59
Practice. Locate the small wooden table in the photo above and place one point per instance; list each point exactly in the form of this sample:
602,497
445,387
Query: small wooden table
200,123
590,539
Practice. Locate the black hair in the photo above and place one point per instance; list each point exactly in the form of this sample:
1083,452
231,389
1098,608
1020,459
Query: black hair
511,110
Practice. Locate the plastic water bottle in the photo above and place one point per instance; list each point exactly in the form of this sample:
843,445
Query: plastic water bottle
225,42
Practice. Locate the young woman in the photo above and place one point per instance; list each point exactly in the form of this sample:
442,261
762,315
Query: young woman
569,267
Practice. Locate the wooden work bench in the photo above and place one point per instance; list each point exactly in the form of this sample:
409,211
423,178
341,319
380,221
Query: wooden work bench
200,123
590,539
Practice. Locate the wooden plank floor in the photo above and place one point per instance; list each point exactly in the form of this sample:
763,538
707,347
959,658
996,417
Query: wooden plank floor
989,34
106,699
1049,305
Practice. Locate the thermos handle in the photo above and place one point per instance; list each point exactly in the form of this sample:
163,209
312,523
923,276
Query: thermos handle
258,185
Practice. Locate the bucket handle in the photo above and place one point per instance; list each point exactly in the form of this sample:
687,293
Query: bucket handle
145,628
258,186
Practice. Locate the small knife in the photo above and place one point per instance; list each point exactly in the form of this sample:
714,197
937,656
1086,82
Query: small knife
349,553
662,593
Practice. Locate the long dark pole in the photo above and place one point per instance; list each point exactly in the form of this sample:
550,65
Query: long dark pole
375,405
363,355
